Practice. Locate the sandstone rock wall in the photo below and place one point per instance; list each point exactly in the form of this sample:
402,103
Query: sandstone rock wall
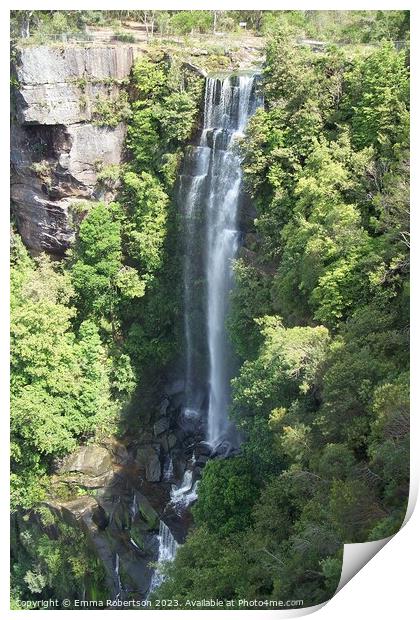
57,147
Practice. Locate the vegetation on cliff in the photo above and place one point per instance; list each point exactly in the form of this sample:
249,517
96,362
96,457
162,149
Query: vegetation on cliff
74,328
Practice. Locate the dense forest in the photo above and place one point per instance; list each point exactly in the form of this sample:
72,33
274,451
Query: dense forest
319,314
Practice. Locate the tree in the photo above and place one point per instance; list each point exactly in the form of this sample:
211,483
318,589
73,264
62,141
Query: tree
98,273
377,101
326,235
60,387
43,568
250,299
146,231
203,570
287,365
227,493
186,22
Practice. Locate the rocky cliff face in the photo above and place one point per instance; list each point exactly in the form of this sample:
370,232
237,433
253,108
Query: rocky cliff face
57,146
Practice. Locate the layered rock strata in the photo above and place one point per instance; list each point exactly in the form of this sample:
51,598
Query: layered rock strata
58,142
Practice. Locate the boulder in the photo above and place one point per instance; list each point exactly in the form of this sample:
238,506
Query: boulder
120,516
87,482
201,461
100,518
77,512
148,460
91,460
135,567
145,436
203,448
119,452
179,464
160,426
163,440
148,513
163,407
171,441
137,536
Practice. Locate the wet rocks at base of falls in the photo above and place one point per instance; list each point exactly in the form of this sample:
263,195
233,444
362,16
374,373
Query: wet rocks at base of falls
128,486
119,492
111,530
177,442
120,512
142,506
148,459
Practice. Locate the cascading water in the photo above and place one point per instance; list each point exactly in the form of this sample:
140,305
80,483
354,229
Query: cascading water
192,192
166,553
210,193
182,496
117,575
168,469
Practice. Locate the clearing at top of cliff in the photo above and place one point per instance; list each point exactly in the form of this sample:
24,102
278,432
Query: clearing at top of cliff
200,33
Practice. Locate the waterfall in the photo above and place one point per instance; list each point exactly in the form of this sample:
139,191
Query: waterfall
117,575
167,551
192,186
210,195
182,496
168,468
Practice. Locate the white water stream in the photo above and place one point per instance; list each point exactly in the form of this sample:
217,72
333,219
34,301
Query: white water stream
211,187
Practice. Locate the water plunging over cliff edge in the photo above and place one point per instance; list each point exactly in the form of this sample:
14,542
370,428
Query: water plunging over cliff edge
210,189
